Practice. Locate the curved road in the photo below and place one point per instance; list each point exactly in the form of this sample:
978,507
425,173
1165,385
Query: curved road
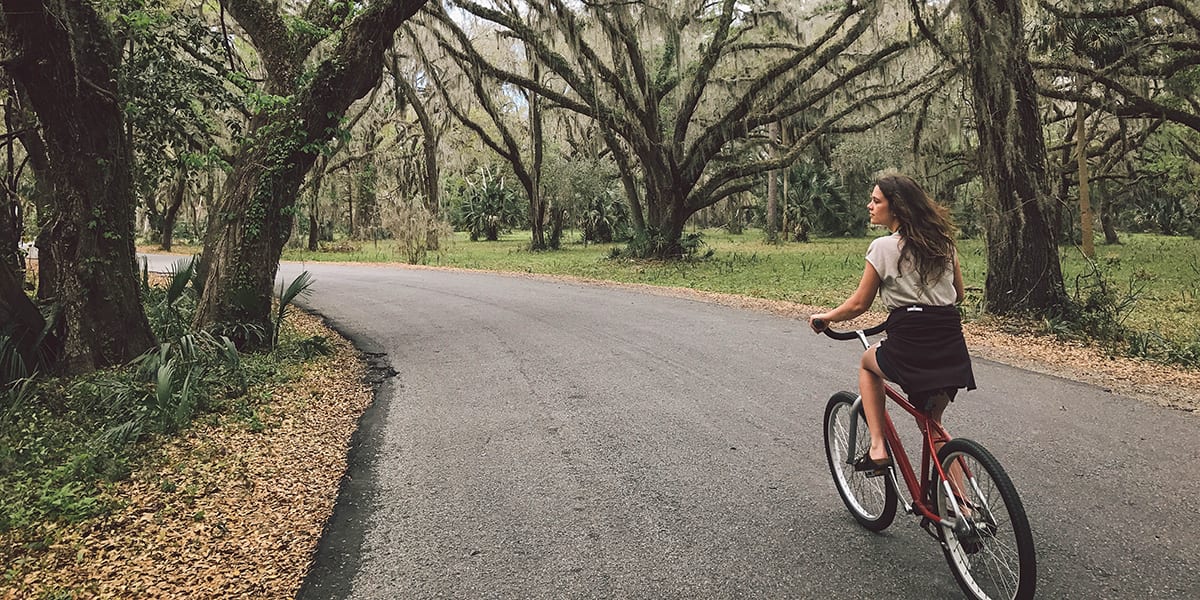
551,440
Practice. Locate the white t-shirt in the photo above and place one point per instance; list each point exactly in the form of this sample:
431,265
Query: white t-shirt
904,288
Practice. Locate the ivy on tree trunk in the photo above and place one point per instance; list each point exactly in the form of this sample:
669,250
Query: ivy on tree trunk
65,61
253,218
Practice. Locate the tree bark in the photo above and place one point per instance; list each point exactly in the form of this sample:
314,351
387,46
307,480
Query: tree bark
537,200
166,232
23,323
24,124
11,218
772,224
1024,275
66,61
253,220
1085,194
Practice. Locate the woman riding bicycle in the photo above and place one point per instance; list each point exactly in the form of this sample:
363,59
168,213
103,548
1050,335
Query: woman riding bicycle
915,271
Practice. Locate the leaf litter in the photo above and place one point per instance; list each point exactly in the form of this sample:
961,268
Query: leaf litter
221,511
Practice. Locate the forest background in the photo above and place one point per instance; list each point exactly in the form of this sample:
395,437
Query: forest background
725,145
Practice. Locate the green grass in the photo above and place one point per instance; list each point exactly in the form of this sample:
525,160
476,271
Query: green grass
1165,270
1167,267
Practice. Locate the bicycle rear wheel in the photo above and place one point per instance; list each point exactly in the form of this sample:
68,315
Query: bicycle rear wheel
871,500
990,550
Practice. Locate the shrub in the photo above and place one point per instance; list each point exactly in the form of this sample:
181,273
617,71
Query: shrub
605,219
489,208
656,245
416,231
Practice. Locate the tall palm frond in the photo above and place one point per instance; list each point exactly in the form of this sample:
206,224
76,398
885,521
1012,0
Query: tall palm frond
300,287
180,274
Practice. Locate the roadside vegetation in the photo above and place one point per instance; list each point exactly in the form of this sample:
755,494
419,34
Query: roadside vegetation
65,443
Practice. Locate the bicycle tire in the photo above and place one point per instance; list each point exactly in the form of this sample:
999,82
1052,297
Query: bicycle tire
870,500
994,559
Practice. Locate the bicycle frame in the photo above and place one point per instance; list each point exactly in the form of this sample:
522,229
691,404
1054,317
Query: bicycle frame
931,469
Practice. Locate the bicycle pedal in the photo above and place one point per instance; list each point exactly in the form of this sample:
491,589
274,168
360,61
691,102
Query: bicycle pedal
876,473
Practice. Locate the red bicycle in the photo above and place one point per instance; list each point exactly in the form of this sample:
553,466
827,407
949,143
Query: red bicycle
964,498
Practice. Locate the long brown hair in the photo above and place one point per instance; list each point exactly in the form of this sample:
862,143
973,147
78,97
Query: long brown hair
925,225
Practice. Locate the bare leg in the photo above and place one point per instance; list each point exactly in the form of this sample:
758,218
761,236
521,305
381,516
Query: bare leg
955,472
870,386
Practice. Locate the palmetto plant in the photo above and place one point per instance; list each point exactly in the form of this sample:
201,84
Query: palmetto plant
14,397
300,287
815,201
165,388
169,318
489,207
12,366
604,219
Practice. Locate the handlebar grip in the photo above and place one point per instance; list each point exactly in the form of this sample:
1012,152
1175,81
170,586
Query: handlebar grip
823,326
840,335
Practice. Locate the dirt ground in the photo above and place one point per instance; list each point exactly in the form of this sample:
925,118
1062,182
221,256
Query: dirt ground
231,511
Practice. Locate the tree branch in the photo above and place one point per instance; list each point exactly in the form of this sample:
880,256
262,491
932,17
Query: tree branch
1132,104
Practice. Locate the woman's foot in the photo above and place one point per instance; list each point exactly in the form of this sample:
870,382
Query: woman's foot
872,466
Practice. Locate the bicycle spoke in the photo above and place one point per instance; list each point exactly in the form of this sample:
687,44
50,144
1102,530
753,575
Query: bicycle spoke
991,553
870,500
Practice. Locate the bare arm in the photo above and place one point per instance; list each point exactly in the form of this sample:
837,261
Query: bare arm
857,303
960,291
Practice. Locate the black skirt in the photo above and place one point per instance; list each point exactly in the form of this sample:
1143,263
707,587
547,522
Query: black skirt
925,351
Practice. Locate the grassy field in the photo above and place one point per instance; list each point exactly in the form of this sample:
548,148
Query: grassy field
1160,274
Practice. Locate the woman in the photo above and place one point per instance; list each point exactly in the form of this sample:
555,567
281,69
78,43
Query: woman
916,274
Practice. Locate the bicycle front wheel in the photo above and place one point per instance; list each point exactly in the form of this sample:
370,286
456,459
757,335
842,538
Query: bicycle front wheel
990,547
871,500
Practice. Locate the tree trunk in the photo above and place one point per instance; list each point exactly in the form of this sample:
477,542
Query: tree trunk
24,123
11,219
65,61
171,213
1106,222
10,228
247,233
350,230
1024,275
1085,197
23,323
249,228
1060,226
771,227
537,203
314,203
783,139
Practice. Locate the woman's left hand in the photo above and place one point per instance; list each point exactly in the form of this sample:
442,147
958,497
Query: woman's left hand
812,322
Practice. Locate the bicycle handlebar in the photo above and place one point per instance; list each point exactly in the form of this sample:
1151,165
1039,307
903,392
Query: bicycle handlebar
848,335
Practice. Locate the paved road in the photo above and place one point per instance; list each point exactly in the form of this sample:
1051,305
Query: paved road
552,440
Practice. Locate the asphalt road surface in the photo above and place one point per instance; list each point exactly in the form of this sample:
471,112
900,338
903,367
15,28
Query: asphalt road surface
543,439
